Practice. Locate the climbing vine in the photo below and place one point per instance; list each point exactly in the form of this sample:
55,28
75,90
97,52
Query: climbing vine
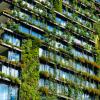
30,74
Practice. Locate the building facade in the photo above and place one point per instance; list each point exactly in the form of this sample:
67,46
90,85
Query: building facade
47,50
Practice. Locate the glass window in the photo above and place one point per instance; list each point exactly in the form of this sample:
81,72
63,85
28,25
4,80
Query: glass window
13,93
78,80
51,85
13,56
85,56
91,72
98,1
52,55
47,53
59,32
47,68
79,95
16,41
63,60
84,69
57,73
58,58
62,89
59,88
11,39
4,91
40,52
84,43
35,21
46,83
7,38
64,11
8,92
60,21
41,67
79,19
73,51
87,83
5,70
24,29
44,53
62,74
35,34
41,82
51,70
72,77
93,85
69,13
14,72
79,54
91,58
77,41
74,64
66,89
79,67
10,71
29,5
50,28
67,75
23,16
86,97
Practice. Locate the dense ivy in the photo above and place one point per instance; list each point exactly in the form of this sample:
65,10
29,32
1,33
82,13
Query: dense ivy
30,74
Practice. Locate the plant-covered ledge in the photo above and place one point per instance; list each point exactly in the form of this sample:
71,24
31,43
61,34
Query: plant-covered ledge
10,78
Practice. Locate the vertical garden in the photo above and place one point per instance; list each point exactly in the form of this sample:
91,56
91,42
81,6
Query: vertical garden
30,74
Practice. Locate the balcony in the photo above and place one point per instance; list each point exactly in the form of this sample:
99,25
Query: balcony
9,57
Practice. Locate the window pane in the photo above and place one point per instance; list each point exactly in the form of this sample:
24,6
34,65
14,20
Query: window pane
5,70
24,29
50,28
3,92
16,41
13,56
7,38
13,93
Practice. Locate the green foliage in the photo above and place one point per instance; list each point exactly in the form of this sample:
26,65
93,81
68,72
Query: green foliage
30,74
97,40
57,5
97,27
